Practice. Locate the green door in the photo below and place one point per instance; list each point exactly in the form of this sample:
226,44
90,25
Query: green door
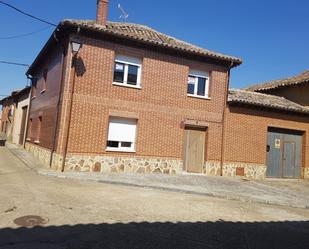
283,153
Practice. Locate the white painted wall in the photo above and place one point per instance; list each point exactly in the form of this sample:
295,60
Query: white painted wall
18,119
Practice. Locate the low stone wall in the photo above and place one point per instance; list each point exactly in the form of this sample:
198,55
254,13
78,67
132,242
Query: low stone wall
254,171
123,164
43,155
40,153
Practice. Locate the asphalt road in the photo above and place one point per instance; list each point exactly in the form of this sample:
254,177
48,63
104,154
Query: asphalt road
80,214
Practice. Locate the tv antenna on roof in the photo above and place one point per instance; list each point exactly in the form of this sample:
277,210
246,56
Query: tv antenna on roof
124,15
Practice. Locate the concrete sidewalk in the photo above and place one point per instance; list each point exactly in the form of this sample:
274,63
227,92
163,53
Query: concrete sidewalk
291,193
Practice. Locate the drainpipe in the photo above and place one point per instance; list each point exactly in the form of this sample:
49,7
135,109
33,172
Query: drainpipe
75,46
223,118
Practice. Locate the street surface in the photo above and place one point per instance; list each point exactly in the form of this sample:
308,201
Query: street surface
80,214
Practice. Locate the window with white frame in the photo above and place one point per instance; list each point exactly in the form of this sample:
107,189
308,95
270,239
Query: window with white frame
198,84
121,134
127,71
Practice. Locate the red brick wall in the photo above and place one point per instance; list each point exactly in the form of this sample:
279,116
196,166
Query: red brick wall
6,121
246,133
44,104
161,105
4,115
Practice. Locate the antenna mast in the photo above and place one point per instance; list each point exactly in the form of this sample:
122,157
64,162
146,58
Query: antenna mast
124,15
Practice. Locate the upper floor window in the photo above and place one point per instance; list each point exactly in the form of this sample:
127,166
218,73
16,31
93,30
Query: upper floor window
45,73
127,71
33,89
198,84
11,112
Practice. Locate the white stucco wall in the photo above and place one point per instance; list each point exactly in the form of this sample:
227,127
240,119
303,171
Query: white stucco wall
18,120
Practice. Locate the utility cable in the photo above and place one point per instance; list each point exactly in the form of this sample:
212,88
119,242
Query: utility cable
26,14
23,35
14,63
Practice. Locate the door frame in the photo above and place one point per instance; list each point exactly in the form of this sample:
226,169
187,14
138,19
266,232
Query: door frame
196,127
22,127
288,131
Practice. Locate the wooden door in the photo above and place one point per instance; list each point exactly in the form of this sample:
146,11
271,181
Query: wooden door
194,149
23,125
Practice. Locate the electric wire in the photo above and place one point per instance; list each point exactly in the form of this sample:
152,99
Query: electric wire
14,63
24,35
27,14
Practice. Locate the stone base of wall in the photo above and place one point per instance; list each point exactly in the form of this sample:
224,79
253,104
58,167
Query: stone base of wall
254,171
212,168
306,173
43,155
109,164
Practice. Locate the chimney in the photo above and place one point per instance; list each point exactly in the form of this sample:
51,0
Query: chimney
102,12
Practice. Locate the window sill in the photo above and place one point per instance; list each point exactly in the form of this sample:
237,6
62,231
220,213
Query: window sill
36,141
119,150
28,139
33,97
43,91
198,97
127,85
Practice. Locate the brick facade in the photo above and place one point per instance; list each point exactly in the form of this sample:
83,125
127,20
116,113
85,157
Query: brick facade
161,105
6,121
44,102
246,134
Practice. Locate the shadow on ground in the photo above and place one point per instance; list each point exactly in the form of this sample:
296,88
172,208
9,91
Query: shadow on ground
221,234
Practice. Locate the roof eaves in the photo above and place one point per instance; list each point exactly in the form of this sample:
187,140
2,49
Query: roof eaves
95,27
299,79
235,99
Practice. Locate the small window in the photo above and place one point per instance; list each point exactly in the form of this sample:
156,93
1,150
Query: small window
121,134
44,84
39,130
198,84
11,112
127,71
33,90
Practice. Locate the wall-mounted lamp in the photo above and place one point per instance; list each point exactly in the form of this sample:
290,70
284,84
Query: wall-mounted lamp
76,45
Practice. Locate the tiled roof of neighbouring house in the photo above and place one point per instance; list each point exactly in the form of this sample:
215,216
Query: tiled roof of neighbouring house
295,80
145,34
264,100
16,93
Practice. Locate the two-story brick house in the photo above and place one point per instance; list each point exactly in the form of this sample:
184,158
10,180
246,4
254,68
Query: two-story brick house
130,99
121,97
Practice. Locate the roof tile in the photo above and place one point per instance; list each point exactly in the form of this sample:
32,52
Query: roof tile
146,34
264,100
295,80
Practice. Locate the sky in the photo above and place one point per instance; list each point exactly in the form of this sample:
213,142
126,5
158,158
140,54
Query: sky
270,36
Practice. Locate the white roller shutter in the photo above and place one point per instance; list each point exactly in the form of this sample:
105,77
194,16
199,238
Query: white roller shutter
122,130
